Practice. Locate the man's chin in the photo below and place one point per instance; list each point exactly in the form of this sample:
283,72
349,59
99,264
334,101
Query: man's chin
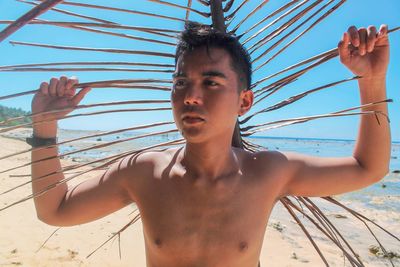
193,135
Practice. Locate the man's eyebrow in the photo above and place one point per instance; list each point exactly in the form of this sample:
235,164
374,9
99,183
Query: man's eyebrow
214,73
178,74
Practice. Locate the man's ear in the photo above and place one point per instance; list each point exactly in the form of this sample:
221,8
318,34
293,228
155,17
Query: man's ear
246,101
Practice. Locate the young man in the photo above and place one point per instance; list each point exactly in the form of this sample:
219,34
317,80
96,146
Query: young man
197,202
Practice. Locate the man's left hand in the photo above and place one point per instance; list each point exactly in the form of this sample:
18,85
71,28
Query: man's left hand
365,51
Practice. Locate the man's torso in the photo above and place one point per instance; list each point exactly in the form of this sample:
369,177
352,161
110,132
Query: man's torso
192,221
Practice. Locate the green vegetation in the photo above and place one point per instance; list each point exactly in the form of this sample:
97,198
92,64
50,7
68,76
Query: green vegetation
7,112
377,251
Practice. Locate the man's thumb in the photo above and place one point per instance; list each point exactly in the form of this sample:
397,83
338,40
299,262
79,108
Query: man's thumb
80,95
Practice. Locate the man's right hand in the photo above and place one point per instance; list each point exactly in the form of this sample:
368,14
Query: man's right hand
58,94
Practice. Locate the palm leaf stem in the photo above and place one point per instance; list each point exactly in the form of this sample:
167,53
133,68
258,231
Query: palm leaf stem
30,15
79,151
112,159
140,127
272,14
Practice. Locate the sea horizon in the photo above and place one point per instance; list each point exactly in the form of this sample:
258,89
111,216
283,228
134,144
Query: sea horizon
252,137
384,194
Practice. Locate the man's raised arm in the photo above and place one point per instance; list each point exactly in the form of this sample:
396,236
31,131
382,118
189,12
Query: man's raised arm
62,206
366,53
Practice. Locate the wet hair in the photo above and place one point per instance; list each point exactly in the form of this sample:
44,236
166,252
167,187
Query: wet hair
197,35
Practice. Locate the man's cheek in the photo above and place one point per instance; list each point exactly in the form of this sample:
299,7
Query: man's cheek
176,114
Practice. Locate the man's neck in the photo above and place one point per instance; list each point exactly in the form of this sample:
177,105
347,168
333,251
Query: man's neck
209,161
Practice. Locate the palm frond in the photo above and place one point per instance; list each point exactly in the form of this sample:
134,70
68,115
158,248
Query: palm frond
277,30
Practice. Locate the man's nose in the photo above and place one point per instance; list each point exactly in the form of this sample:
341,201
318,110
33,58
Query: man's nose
193,96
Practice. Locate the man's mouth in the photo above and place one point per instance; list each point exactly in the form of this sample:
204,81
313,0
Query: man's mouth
192,119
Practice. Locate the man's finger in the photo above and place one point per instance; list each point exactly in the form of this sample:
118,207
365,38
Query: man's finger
343,47
53,86
354,37
80,95
61,86
383,37
69,88
71,83
371,38
44,88
383,30
362,48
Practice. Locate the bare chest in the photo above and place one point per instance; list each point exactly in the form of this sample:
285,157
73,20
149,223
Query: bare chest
198,223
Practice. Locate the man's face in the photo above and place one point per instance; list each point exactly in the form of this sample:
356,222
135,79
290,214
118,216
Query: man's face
205,96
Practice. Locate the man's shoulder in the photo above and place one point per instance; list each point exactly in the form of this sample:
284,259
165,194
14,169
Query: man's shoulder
261,157
136,171
148,159
264,163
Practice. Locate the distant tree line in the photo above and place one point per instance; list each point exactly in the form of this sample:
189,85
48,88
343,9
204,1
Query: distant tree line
7,112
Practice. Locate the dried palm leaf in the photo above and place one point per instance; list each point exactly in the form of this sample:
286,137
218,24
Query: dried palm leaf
223,22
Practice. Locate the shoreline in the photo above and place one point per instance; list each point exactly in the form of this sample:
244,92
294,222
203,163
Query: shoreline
284,243
395,142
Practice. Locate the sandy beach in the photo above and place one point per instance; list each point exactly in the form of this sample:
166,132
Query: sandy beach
22,234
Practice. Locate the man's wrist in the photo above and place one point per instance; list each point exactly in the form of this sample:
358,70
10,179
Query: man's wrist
375,82
373,78
45,130
373,90
35,141
44,135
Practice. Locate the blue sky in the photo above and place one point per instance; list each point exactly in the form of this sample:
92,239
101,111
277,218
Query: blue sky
321,38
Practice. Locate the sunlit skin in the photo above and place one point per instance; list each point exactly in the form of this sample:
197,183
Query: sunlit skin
207,203
205,86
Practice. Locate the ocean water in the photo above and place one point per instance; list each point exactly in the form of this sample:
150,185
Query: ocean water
125,141
382,195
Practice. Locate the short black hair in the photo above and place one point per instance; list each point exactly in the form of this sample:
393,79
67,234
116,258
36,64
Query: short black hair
196,35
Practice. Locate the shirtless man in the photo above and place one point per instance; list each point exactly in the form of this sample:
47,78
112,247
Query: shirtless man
207,203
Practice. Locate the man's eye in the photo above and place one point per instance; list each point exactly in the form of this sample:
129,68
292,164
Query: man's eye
179,84
211,83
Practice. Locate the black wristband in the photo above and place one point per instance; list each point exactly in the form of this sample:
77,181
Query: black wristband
41,142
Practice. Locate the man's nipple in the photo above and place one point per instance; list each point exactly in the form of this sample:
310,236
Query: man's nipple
243,246
158,242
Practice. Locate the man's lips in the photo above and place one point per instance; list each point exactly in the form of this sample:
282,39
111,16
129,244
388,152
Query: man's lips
191,119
